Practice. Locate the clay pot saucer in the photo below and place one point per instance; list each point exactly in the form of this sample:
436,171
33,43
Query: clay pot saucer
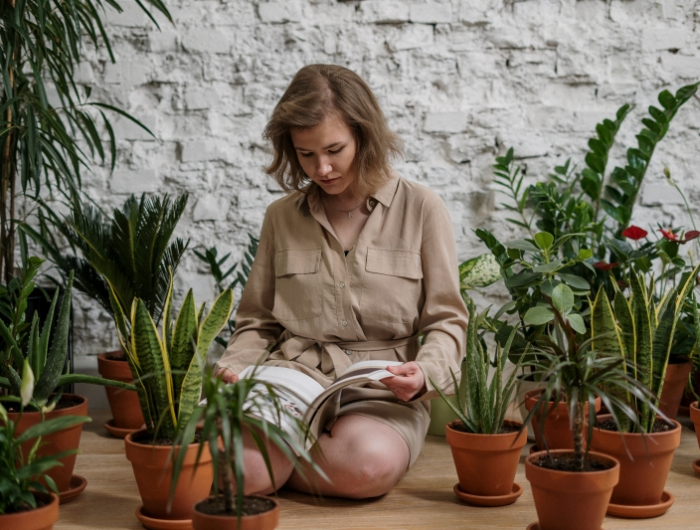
696,466
77,485
162,524
642,512
489,500
117,432
536,526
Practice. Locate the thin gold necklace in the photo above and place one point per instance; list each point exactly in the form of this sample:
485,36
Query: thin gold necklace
349,212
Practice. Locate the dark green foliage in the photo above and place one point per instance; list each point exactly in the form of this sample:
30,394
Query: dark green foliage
41,44
132,250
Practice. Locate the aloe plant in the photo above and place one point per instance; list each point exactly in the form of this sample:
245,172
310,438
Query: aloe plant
47,361
481,404
641,330
168,366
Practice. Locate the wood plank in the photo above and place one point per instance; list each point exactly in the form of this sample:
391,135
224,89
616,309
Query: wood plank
422,500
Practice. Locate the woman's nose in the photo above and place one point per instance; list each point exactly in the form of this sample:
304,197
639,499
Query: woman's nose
323,168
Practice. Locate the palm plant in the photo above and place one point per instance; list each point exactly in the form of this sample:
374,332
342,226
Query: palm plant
168,367
131,252
577,373
41,44
228,411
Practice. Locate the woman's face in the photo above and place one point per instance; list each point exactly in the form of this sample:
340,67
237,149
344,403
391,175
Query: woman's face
326,153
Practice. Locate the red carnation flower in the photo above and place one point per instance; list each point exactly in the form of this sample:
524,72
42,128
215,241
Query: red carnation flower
668,234
634,232
604,266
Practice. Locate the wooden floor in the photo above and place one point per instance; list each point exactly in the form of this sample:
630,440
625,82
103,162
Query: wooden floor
422,500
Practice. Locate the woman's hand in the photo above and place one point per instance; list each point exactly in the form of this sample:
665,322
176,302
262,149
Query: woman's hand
408,381
227,375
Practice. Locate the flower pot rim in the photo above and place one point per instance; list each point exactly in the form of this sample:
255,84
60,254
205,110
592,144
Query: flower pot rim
600,456
129,438
676,427
513,422
62,410
275,501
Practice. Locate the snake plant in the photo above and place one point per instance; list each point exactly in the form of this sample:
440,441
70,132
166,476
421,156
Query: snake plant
168,366
47,361
641,330
481,405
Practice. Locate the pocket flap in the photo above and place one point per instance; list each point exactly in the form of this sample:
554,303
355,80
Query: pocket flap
404,263
297,262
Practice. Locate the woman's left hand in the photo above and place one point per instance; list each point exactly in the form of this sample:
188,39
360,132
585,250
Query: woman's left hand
408,381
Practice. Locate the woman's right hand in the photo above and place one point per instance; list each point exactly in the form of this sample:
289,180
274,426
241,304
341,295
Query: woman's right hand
227,375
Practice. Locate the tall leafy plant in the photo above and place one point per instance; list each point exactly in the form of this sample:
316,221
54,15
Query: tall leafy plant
132,251
42,138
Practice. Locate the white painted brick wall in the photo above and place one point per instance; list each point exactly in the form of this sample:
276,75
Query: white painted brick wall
460,80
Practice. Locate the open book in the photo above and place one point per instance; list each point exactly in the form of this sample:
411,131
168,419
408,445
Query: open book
306,399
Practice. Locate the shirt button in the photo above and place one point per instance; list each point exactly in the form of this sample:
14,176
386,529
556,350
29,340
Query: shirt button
342,284
349,352
345,322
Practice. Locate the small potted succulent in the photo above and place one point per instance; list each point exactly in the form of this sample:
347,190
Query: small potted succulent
167,368
29,497
485,446
131,251
578,482
227,412
641,330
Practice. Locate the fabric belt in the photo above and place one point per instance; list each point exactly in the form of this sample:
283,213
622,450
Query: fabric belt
332,357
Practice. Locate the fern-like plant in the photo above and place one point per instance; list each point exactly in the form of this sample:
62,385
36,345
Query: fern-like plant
132,251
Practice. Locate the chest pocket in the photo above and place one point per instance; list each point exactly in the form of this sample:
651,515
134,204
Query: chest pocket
298,285
392,286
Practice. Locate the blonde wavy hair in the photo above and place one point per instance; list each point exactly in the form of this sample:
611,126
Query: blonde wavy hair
319,91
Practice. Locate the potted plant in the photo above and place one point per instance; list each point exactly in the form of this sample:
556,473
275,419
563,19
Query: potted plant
47,362
167,368
577,482
640,329
485,446
103,252
228,411
26,502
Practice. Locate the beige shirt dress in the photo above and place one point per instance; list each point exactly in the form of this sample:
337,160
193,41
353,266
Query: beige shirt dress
394,297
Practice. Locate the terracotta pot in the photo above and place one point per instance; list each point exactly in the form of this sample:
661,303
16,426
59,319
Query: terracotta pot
262,521
643,476
56,442
523,387
39,519
675,382
440,415
153,472
124,404
568,500
695,418
486,463
557,429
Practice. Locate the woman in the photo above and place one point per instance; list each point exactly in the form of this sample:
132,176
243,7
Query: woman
352,265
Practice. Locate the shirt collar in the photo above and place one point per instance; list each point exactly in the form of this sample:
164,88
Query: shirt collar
385,194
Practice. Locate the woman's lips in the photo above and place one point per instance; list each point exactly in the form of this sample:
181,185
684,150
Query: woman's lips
330,181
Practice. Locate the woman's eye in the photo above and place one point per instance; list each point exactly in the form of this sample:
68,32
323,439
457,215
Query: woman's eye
336,151
306,155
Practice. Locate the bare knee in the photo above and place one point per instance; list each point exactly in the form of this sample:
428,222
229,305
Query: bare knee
257,476
375,472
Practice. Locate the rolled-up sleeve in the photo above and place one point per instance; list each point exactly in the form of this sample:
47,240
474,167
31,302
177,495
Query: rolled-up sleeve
444,317
256,328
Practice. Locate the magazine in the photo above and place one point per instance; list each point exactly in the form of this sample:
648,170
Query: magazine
307,400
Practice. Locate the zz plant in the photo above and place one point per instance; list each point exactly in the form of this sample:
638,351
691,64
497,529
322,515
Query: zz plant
168,366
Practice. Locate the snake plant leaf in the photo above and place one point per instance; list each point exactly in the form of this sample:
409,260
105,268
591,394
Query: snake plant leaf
644,334
625,319
155,365
661,347
43,345
34,357
167,317
605,334
26,389
208,330
695,352
71,379
17,356
56,357
182,348
480,271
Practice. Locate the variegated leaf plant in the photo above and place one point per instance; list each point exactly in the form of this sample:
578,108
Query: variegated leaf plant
641,330
168,367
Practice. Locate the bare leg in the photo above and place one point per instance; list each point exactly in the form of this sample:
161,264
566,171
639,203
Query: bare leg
362,458
257,479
